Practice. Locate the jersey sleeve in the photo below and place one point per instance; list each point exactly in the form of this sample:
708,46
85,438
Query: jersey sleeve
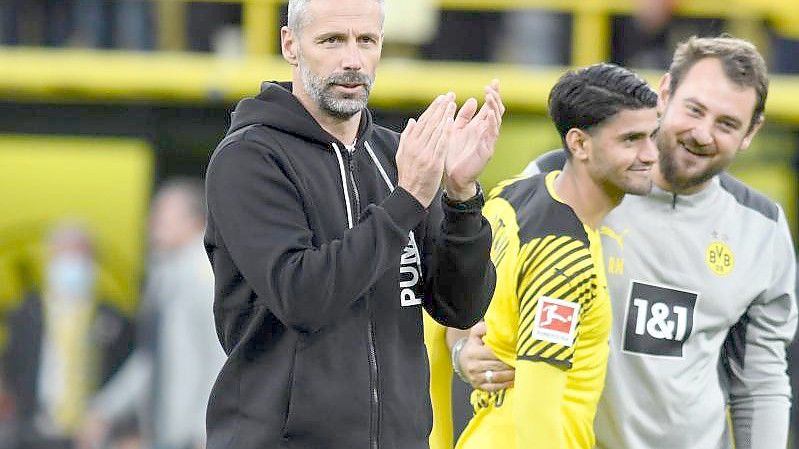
501,315
556,287
539,391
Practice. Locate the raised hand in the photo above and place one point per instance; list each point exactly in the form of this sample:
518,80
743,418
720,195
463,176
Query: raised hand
472,142
423,149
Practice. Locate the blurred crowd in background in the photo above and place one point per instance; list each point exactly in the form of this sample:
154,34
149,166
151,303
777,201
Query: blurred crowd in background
417,28
77,371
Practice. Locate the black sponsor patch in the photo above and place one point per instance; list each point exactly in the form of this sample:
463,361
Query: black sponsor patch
658,320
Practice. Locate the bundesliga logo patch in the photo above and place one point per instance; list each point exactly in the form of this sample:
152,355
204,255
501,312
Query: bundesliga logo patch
555,321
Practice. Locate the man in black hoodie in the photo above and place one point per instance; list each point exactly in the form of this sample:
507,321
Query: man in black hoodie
328,234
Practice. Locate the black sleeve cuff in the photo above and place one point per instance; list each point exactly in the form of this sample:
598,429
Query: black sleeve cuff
404,209
463,218
475,202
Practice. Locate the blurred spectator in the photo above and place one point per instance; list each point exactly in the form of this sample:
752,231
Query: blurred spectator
537,37
646,39
784,32
36,22
62,344
7,428
408,25
206,20
465,36
83,23
125,24
168,378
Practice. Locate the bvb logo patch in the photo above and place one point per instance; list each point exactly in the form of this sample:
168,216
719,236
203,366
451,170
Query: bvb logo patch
719,258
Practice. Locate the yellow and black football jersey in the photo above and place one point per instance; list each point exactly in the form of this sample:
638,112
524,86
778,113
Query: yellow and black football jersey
549,318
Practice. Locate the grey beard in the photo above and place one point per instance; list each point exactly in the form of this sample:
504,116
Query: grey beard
321,91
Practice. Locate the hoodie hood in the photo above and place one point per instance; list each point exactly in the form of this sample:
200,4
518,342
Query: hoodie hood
278,108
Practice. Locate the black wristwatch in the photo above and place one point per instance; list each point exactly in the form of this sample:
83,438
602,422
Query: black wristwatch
474,202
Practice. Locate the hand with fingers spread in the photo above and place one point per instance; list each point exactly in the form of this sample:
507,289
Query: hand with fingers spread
423,149
477,360
472,143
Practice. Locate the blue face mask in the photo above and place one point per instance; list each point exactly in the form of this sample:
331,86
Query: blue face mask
71,276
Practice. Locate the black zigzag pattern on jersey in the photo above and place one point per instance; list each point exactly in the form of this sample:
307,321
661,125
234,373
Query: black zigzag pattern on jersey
559,267
535,264
585,298
499,245
564,363
538,214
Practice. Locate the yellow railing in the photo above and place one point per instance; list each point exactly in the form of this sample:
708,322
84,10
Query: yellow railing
38,74
591,19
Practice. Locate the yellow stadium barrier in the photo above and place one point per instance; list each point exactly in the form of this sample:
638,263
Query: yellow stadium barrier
101,75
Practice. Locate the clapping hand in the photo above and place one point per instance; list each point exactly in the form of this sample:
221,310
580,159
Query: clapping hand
472,143
423,148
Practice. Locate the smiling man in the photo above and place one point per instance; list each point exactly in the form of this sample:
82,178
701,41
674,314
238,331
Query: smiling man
701,273
328,234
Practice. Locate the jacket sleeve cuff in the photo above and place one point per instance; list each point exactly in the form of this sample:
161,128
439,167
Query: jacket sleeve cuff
463,221
404,209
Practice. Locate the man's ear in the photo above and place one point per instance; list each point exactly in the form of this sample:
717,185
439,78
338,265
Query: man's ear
579,144
747,140
288,45
664,93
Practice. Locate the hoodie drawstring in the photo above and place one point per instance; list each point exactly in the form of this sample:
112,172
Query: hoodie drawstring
411,235
344,185
350,223
379,167
384,175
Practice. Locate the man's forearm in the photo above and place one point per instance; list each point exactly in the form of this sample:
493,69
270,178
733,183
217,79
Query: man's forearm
760,423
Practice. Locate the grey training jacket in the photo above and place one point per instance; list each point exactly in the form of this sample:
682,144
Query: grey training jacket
703,294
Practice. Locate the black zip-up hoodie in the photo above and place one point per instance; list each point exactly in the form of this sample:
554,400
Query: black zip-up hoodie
318,308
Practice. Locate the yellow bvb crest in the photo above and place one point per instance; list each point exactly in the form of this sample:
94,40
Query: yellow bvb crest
719,258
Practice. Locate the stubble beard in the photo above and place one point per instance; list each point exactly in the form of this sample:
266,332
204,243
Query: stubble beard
638,188
322,91
670,168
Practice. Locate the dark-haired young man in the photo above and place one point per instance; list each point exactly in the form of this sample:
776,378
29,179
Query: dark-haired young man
701,274
550,314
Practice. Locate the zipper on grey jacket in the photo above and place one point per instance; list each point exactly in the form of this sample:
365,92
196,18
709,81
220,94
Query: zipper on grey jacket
373,371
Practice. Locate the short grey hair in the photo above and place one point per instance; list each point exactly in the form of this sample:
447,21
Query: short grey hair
298,13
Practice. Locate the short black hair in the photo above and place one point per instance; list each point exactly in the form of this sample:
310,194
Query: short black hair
586,97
